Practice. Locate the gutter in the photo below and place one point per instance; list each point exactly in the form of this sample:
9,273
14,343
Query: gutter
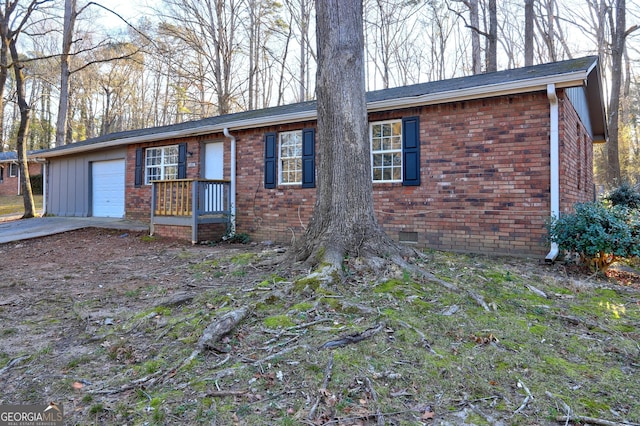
554,163
232,189
573,79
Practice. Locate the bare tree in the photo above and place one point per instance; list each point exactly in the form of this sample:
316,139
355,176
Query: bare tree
70,15
490,33
301,13
619,34
209,28
15,18
492,38
528,32
474,20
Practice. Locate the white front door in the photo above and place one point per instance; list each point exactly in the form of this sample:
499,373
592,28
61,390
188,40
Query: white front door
214,161
214,170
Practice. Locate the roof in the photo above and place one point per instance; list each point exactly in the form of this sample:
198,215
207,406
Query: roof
8,157
570,73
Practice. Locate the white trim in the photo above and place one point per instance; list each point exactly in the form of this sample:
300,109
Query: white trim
388,151
162,166
280,170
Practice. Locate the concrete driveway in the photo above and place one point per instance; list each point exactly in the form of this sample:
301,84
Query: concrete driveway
15,229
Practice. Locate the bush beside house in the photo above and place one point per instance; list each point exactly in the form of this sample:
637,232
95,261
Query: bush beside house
601,232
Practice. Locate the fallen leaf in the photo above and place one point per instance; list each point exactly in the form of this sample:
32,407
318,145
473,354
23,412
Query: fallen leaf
428,415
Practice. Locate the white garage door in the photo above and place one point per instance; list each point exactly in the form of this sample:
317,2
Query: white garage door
108,188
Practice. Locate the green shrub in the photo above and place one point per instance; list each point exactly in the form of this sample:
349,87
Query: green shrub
625,195
36,184
599,234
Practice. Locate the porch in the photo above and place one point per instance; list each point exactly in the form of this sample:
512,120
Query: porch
190,203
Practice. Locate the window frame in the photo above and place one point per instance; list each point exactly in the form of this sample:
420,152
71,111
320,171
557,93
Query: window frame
163,166
13,170
398,151
298,159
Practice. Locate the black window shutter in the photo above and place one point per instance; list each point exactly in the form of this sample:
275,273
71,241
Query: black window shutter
309,158
182,161
139,175
411,151
270,159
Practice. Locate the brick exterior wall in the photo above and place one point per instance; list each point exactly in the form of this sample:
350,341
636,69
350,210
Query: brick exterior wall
484,178
576,159
9,185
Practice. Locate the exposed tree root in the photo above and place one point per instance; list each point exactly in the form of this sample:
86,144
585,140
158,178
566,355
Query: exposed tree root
589,420
377,253
12,363
353,338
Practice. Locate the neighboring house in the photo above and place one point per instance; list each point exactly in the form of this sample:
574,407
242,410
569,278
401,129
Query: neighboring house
10,173
474,164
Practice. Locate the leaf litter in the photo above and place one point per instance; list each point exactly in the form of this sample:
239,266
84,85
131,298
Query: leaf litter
123,329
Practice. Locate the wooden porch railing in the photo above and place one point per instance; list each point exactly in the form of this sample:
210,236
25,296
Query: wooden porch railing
190,202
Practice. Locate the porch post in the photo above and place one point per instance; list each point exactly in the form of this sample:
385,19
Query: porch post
194,211
153,207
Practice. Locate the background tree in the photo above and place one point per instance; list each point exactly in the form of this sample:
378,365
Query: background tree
619,34
528,32
70,15
17,17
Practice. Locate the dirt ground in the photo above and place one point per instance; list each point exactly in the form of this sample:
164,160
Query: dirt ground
60,294
104,322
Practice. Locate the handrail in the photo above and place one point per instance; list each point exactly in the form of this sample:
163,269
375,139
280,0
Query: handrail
175,197
193,200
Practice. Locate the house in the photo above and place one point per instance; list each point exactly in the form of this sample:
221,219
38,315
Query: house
473,164
10,173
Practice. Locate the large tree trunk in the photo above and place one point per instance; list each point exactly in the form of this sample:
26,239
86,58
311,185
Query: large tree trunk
528,32
619,34
474,19
67,40
344,222
23,130
492,40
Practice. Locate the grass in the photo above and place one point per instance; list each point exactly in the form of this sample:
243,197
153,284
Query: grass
14,204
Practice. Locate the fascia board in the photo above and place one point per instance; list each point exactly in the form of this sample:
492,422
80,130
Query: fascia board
194,131
479,92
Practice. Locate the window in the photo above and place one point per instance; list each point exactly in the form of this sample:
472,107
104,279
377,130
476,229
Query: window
386,151
161,163
290,161
395,151
289,158
13,170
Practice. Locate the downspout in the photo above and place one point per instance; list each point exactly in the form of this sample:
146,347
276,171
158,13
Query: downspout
232,188
554,163
19,188
44,188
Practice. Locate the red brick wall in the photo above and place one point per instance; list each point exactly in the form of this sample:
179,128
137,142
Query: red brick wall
576,159
138,200
9,185
485,181
484,178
